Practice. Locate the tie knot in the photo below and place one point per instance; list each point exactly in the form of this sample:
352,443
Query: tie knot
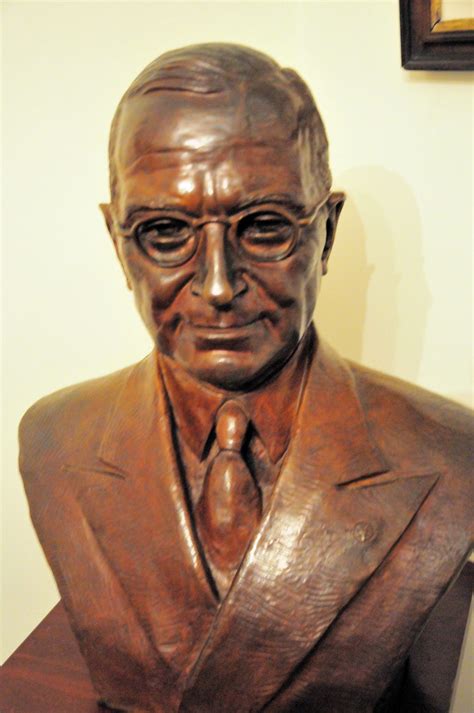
231,426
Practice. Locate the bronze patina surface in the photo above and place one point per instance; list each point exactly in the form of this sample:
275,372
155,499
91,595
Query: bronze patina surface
243,521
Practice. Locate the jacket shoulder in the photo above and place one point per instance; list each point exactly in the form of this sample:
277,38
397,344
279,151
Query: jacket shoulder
378,387
68,420
408,417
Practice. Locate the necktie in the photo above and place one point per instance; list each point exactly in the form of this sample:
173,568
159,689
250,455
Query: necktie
230,505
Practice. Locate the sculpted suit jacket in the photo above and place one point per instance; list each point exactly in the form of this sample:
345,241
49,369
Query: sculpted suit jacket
367,526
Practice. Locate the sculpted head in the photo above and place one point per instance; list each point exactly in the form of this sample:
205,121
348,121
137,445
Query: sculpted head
221,212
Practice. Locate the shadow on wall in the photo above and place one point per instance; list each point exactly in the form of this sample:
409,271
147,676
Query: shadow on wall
375,299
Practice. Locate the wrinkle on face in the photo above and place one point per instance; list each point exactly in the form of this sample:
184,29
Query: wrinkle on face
209,159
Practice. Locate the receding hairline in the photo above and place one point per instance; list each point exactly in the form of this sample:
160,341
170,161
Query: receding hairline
215,68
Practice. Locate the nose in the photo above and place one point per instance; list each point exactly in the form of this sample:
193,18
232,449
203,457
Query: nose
216,281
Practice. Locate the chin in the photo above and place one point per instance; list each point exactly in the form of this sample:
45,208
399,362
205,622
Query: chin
223,370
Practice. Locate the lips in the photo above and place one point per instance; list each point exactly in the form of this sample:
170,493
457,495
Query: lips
226,336
224,325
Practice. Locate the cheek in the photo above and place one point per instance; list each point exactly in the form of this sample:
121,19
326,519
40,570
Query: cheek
294,282
155,289
311,270
311,291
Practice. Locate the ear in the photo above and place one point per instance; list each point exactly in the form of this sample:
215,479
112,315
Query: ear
334,204
107,212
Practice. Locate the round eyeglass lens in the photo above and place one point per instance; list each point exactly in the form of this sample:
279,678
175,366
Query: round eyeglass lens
167,240
267,234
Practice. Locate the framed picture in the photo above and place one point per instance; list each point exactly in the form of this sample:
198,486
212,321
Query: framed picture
431,42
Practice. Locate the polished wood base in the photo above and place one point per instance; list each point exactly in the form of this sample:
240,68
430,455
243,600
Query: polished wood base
47,674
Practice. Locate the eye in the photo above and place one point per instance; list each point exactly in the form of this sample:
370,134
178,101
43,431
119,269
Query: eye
163,232
166,240
266,234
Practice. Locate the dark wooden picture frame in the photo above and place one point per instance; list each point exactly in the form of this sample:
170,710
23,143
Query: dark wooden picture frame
429,42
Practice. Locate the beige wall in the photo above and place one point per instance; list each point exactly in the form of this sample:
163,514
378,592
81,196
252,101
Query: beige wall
398,296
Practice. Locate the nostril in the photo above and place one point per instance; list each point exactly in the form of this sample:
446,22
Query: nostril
240,286
196,287
218,291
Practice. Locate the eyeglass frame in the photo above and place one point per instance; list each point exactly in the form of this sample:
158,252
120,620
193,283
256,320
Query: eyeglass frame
231,222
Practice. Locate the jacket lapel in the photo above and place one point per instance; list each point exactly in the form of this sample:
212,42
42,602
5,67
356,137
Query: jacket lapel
336,512
136,505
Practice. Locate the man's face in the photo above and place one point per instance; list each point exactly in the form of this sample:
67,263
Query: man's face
226,317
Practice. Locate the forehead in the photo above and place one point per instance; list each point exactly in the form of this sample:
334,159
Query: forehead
173,120
174,142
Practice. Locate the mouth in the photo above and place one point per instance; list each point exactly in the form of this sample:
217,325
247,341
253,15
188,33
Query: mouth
224,326
224,336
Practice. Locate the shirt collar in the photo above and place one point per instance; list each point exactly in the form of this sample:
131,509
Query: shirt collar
271,407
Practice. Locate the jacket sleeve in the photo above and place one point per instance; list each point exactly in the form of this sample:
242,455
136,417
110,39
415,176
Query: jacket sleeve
435,658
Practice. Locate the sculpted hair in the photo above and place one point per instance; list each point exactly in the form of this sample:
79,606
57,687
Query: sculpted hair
217,68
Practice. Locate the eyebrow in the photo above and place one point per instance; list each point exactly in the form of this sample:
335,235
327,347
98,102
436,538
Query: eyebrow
132,210
284,199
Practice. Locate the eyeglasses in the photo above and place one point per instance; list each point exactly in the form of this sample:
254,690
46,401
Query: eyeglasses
265,233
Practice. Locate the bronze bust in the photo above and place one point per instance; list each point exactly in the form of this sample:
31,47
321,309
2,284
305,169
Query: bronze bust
243,521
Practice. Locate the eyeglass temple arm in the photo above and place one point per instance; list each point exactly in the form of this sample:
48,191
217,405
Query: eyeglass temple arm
335,198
